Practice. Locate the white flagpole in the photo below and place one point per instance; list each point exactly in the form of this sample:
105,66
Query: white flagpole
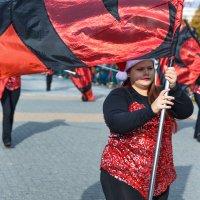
158,145
108,68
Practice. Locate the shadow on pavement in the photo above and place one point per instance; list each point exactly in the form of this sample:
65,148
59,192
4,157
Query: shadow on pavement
94,192
30,128
177,189
185,124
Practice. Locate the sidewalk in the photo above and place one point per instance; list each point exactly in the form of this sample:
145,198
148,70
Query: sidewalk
58,142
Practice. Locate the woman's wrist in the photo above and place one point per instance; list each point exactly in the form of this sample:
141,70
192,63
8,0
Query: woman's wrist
154,108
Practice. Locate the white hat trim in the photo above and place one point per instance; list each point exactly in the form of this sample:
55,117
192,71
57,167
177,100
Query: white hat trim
122,75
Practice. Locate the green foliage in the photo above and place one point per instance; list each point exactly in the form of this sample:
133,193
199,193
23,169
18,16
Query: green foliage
196,21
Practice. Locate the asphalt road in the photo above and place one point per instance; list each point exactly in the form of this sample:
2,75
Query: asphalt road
58,142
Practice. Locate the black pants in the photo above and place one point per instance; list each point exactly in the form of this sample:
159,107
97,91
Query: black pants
9,101
197,126
49,78
118,190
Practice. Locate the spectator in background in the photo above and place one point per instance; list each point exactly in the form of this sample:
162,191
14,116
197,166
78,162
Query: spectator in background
49,78
103,76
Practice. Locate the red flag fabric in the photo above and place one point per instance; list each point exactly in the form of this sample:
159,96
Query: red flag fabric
70,33
3,82
187,57
187,62
15,57
84,83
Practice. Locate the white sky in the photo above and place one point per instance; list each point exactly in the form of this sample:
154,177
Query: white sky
190,8
192,3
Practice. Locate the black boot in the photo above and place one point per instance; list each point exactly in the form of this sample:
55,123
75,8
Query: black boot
7,140
7,143
198,137
48,88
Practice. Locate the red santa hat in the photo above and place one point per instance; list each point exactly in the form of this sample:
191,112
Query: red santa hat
125,66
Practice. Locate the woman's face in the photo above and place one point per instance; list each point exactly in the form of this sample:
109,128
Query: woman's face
142,74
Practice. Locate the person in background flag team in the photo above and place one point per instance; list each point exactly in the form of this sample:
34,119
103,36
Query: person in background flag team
83,82
132,114
9,99
196,91
49,78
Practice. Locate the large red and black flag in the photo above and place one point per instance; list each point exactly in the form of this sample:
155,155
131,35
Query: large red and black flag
187,57
35,34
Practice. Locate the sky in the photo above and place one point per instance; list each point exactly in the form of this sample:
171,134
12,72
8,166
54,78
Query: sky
192,3
190,7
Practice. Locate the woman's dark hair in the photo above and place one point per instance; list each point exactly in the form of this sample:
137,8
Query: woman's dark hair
153,92
198,81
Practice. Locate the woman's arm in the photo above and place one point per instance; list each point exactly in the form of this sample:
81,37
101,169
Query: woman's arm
116,114
183,106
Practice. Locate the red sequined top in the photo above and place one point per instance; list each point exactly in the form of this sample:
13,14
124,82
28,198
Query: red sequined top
129,158
13,83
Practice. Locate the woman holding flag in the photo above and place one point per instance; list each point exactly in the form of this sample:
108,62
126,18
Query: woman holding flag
132,114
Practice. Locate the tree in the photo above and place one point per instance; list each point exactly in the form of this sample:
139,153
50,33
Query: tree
196,21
